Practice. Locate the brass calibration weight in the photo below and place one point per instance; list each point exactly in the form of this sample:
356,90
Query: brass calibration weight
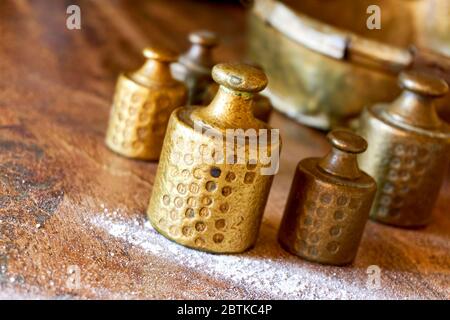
142,105
408,151
194,67
214,206
329,203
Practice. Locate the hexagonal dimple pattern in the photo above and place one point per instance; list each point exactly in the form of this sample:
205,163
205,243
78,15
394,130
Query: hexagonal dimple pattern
199,197
134,121
322,223
138,118
404,172
201,206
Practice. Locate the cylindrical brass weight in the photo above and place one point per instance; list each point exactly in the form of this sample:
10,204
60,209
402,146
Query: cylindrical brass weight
194,67
408,153
142,105
328,204
207,195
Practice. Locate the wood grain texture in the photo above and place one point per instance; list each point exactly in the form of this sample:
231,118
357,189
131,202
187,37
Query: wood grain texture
66,200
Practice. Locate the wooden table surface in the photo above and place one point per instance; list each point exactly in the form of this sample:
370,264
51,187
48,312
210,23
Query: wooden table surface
72,210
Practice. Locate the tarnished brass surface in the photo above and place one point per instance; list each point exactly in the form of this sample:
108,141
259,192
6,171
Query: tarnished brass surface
408,151
329,203
316,58
212,207
142,105
403,22
194,67
434,17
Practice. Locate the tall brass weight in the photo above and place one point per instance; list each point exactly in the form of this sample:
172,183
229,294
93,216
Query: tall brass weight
328,204
408,151
142,105
208,195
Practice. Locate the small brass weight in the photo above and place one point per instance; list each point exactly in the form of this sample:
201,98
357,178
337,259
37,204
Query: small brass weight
212,199
142,105
194,67
408,153
328,204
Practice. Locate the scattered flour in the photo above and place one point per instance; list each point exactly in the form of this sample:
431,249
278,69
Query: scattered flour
266,270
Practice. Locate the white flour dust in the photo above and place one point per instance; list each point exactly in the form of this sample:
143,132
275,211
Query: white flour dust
266,270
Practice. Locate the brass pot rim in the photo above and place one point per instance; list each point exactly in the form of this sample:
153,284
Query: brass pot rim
332,41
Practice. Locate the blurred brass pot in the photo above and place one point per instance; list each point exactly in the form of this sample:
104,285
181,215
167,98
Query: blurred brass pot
325,65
